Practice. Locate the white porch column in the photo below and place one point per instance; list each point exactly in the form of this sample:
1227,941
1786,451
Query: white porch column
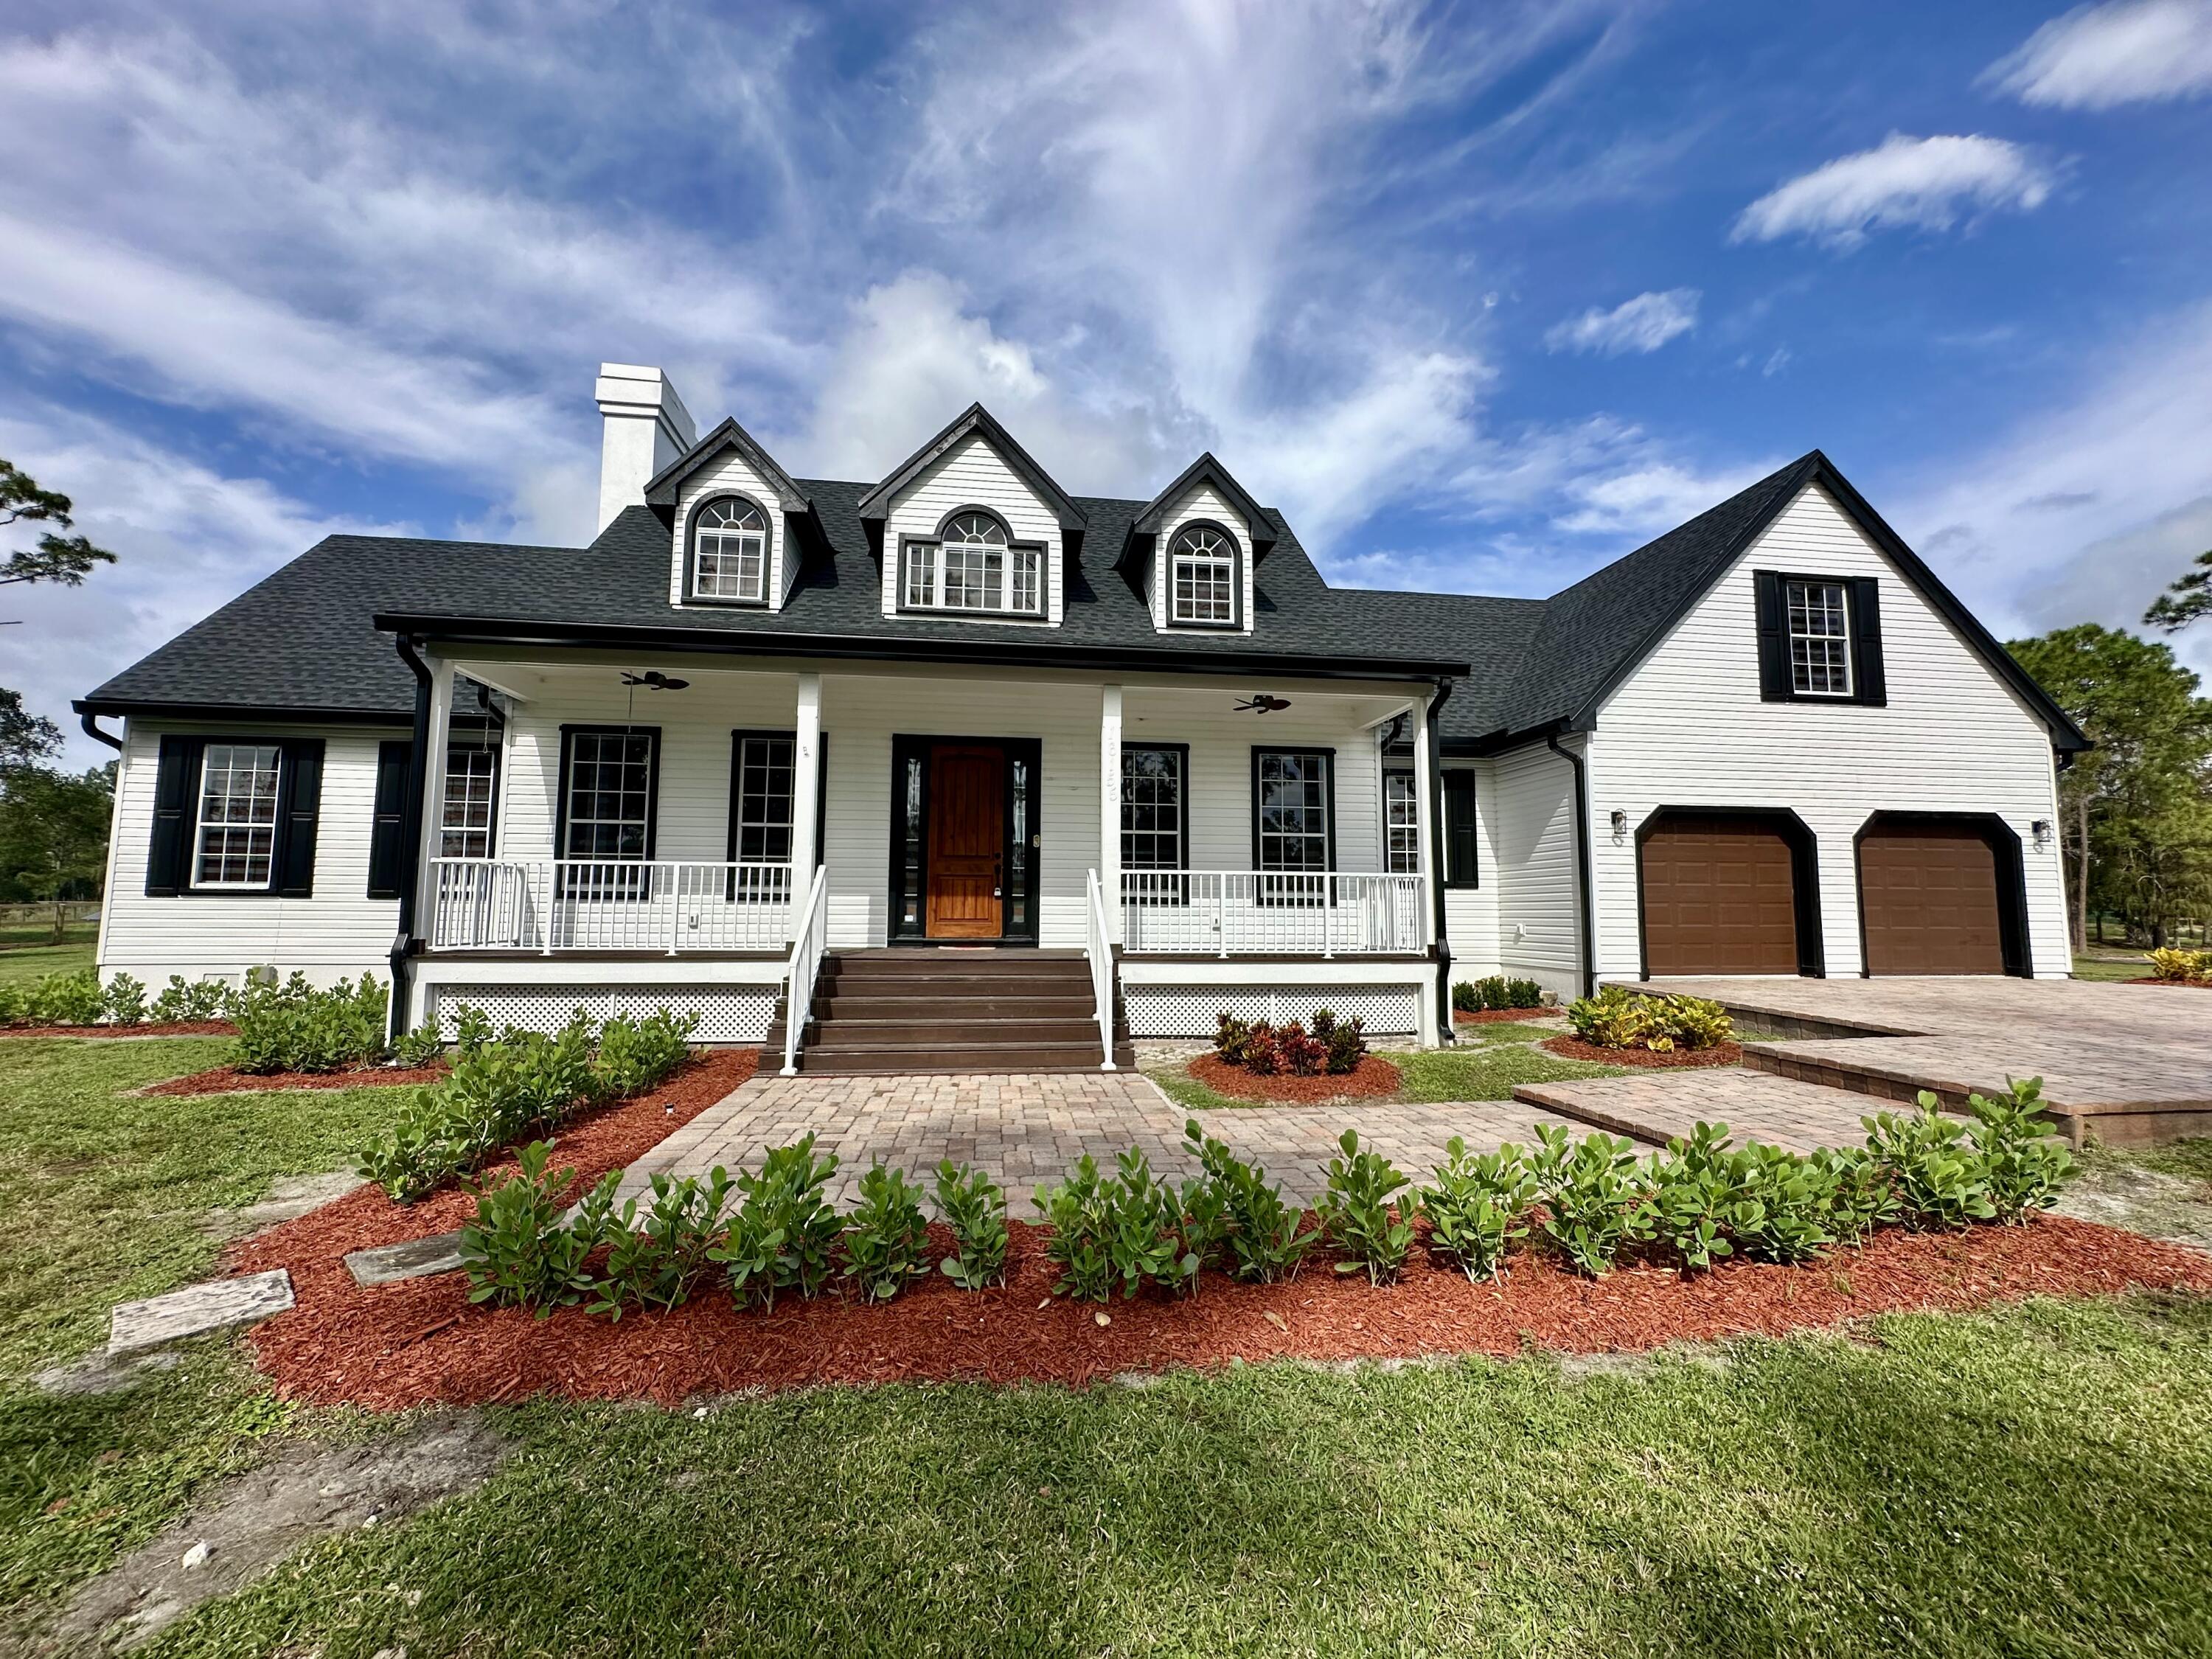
1109,808
434,797
805,791
1425,796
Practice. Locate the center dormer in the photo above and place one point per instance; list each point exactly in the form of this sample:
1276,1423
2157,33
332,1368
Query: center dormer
972,528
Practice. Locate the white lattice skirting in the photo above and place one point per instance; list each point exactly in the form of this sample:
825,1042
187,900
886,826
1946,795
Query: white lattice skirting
1193,1010
736,1013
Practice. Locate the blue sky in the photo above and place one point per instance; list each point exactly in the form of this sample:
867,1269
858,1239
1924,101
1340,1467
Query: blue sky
1482,296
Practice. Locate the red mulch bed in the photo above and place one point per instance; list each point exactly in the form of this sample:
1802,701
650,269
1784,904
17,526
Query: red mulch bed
1501,1016
2178,984
1373,1076
228,1080
174,1028
420,1342
1573,1048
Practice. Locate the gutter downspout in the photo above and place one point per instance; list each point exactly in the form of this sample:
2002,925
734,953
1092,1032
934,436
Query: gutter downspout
1446,1034
94,730
1589,929
411,840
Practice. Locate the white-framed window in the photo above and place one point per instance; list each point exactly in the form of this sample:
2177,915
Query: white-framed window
1820,639
464,820
1202,577
234,840
1402,824
729,551
1153,834
974,565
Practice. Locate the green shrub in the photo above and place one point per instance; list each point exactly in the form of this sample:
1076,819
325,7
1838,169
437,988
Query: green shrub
1231,1034
65,999
653,1259
1786,1207
1079,1211
1522,994
1360,1214
182,1004
1696,1022
1465,998
424,1148
1267,1050
123,1002
419,1047
1261,1228
295,1027
886,1237
974,1207
1595,1196
472,1029
519,1251
1480,1203
15,1001
1144,1239
2181,966
1344,1042
2025,1169
1618,1018
1861,1197
634,1054
1940,1178
1692,1205
783,1234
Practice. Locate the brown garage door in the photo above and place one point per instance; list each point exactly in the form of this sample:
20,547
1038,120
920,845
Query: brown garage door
1720,896
1929,893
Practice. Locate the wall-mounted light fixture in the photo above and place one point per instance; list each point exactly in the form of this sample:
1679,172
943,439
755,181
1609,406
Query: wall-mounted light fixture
1619,823
2041,831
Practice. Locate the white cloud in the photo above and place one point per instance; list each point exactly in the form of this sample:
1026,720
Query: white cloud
1921,183
1643,324
2127,51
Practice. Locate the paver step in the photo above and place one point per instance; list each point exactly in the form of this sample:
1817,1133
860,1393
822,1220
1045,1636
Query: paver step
1010,1005
883,1059
1654,1107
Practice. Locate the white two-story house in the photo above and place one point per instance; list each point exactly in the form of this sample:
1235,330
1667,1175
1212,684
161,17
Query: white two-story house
983,774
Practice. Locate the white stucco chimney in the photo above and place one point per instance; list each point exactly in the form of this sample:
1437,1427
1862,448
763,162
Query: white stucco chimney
646,426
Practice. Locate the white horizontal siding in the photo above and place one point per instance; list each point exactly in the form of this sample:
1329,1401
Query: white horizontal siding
1688,729
1533,835
972,473
730,473
337,934
1203,501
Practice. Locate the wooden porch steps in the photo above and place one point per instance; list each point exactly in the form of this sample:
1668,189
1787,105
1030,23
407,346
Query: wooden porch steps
908,1012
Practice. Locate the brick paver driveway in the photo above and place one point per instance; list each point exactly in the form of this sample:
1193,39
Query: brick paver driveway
1027,1130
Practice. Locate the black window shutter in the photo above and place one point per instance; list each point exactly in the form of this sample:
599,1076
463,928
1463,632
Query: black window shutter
387,831
300,801
1869,683
1461,868
1773,637
176,780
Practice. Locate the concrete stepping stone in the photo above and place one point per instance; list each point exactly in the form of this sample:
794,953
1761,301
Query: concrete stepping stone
161,1320
414,1258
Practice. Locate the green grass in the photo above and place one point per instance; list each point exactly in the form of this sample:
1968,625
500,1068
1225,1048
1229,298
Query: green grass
1489,1073
2034,1480
2110,967
2191,1158
1506,1030
35,961
1187,1091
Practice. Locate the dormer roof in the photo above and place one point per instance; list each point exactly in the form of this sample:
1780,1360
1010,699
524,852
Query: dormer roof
1205,470
662,490
974,420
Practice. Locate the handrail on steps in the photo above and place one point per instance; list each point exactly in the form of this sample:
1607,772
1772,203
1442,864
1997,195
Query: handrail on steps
806,943
1099,947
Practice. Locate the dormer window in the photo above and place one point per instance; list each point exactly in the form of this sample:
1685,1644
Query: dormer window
729,552
973,564
1202,577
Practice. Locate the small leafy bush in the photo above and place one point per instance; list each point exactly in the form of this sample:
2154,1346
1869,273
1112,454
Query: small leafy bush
886,1237
1697,1022
1363,1214
519,1251
1940,1178
1465,998
1344,1042
1618,1018
1861,1197
2181,966
123,1002
1478,1204
1595,1197
1261,1228
654,1259
180,1003
1231,1034
65,998
1079,1211
634,1054
472,1027
424,1148
1267,1050
2025,1167
295,1027
419,1047
974,1207
783,1234
1496,992
1522,994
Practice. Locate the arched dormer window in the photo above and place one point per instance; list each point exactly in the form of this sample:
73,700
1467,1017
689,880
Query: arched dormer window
1204,584
729,551
974,563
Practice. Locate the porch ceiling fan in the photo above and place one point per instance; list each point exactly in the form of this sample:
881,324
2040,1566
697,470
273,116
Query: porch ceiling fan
1260,703
653,680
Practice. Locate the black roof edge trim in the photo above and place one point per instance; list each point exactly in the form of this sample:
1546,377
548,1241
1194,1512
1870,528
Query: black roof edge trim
876,504
1815,468
292,714
475,630
660,488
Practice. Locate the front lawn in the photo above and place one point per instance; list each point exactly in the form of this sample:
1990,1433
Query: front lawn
30,958
2035,1480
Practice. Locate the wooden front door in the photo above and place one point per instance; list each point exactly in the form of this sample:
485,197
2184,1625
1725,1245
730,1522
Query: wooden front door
967,841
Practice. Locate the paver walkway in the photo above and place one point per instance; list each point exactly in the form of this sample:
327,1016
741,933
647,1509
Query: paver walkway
1656,1106
1027,1130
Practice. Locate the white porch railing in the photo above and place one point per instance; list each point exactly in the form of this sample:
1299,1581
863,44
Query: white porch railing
806,948
1098,946
1267,913
551,905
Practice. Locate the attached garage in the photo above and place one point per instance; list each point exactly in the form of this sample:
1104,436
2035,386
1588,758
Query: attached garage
1939,896
1727,892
